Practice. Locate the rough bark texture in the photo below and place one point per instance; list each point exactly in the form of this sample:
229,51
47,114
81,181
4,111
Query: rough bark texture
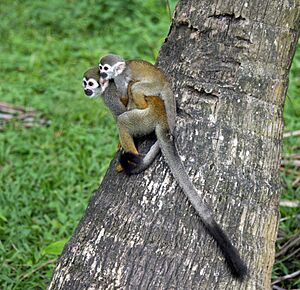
228,62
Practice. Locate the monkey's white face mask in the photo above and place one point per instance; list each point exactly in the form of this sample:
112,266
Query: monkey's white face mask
92,88
108,72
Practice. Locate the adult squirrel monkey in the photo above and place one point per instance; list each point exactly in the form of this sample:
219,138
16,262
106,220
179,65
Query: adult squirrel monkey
117,104
147,85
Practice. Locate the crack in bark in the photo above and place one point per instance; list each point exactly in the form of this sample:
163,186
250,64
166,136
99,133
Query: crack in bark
248,40
184,114
205,94
184,23
227,16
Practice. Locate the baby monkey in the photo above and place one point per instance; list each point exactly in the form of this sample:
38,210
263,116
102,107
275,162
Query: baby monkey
151,107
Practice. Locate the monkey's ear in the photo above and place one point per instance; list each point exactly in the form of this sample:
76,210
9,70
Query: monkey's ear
119,67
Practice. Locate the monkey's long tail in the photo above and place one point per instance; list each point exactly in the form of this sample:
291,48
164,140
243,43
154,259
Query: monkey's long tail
169,151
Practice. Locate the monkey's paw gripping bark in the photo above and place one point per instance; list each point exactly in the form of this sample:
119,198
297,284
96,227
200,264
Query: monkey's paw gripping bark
119,168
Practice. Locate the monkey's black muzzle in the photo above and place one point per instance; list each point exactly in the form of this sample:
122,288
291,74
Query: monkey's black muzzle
88,92
103,75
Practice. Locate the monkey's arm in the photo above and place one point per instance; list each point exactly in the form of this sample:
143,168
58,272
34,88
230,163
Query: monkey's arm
117,104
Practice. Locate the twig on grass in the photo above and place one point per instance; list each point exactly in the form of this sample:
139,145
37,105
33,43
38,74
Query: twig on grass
294,241
24,276
291,134
289,256
296,216
275,287
27,116
289,203
286,277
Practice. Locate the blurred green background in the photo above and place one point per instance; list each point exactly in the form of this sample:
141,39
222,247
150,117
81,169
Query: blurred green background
48,173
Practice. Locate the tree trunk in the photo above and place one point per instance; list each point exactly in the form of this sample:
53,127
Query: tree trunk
228,62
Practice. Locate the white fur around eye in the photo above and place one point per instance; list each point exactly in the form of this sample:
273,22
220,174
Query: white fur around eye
93,84
106,67
84,83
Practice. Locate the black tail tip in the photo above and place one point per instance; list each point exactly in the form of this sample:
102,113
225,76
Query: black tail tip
130,161
239,270
236,265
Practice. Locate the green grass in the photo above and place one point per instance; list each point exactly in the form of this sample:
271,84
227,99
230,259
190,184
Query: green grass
47,174
290,174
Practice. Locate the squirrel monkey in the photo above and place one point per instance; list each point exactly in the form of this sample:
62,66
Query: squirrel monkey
146,83
117,104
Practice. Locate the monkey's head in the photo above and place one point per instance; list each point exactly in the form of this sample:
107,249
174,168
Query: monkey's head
92,84
110,66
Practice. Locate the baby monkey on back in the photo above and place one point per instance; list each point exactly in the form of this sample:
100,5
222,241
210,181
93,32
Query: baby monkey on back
151,107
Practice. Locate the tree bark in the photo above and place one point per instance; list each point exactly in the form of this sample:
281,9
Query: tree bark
228,62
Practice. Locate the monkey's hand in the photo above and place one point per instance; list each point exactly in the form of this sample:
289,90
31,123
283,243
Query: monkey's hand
128,161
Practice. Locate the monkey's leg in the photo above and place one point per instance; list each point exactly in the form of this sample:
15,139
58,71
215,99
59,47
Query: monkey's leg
124,125
132,124
126,140
136,94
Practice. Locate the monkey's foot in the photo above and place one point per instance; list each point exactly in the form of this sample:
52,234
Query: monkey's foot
131,162
119,168
119,146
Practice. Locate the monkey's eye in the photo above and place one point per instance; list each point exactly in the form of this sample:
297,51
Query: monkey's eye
106,67
93,84
84,83
100,66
